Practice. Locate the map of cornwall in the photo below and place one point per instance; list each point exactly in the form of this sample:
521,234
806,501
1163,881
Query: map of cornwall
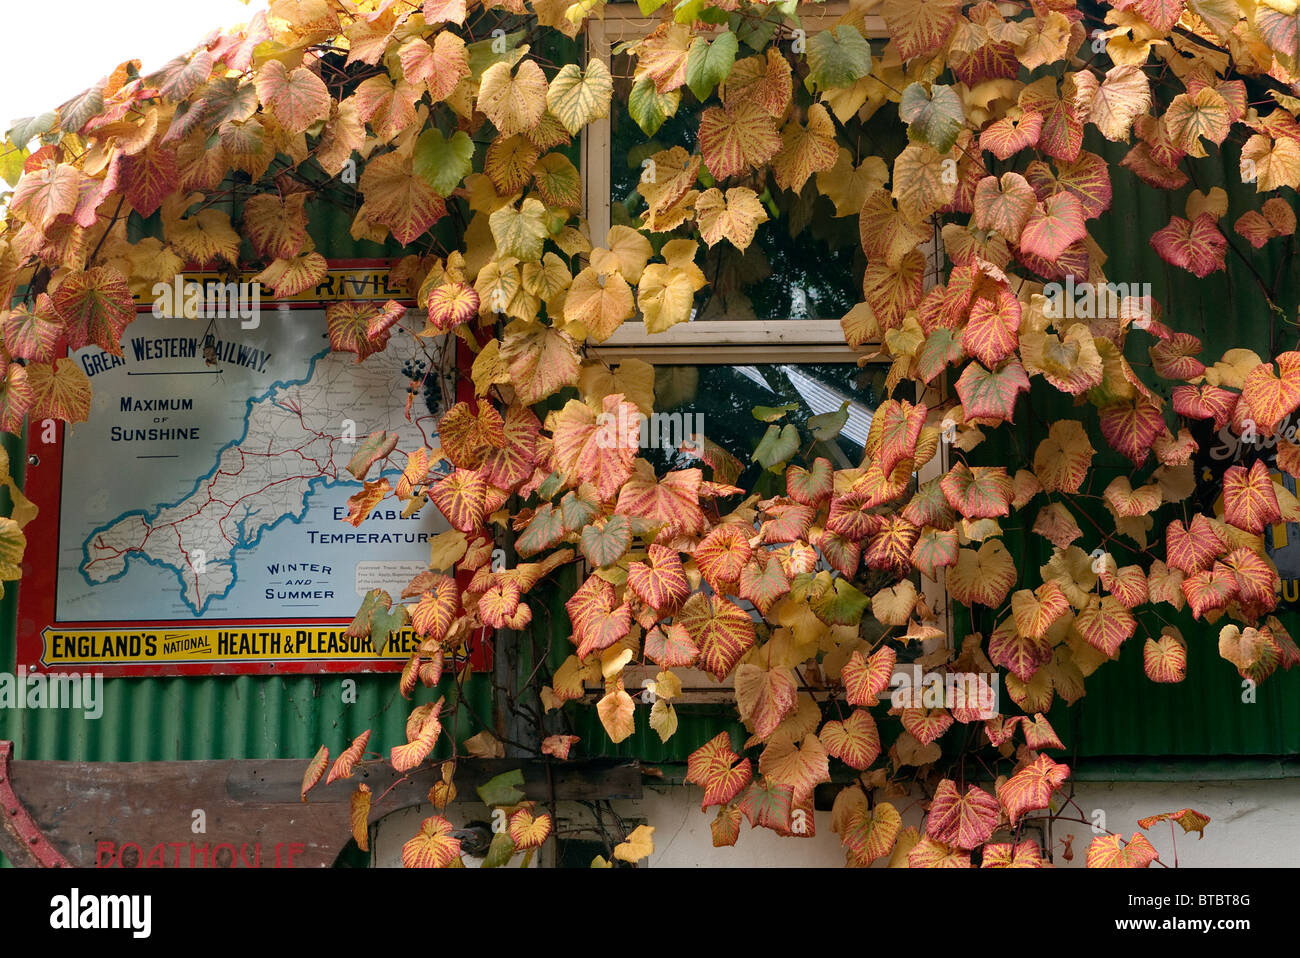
291,445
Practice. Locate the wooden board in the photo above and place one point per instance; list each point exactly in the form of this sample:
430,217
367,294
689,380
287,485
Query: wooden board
100,813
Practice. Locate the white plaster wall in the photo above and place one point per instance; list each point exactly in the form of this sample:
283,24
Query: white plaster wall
1252,824
391,832
683,838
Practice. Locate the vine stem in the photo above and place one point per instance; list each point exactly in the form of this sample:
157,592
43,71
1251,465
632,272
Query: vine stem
404,778
111,223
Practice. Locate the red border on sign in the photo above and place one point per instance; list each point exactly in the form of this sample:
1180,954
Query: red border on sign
36,590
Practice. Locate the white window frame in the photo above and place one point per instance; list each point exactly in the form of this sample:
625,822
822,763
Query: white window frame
814,340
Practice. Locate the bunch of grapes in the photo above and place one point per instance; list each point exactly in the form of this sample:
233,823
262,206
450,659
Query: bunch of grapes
413,369
416,371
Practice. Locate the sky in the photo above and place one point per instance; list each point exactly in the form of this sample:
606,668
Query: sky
54,49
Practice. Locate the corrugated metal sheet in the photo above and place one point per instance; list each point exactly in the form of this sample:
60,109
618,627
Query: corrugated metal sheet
228,717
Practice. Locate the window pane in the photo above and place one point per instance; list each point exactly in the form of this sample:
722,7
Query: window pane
718,402
804,263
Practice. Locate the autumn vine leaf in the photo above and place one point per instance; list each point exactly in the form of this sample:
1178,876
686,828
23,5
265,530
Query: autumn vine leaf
433,846
348,758
315,769
1031,787
1111,851
713,767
